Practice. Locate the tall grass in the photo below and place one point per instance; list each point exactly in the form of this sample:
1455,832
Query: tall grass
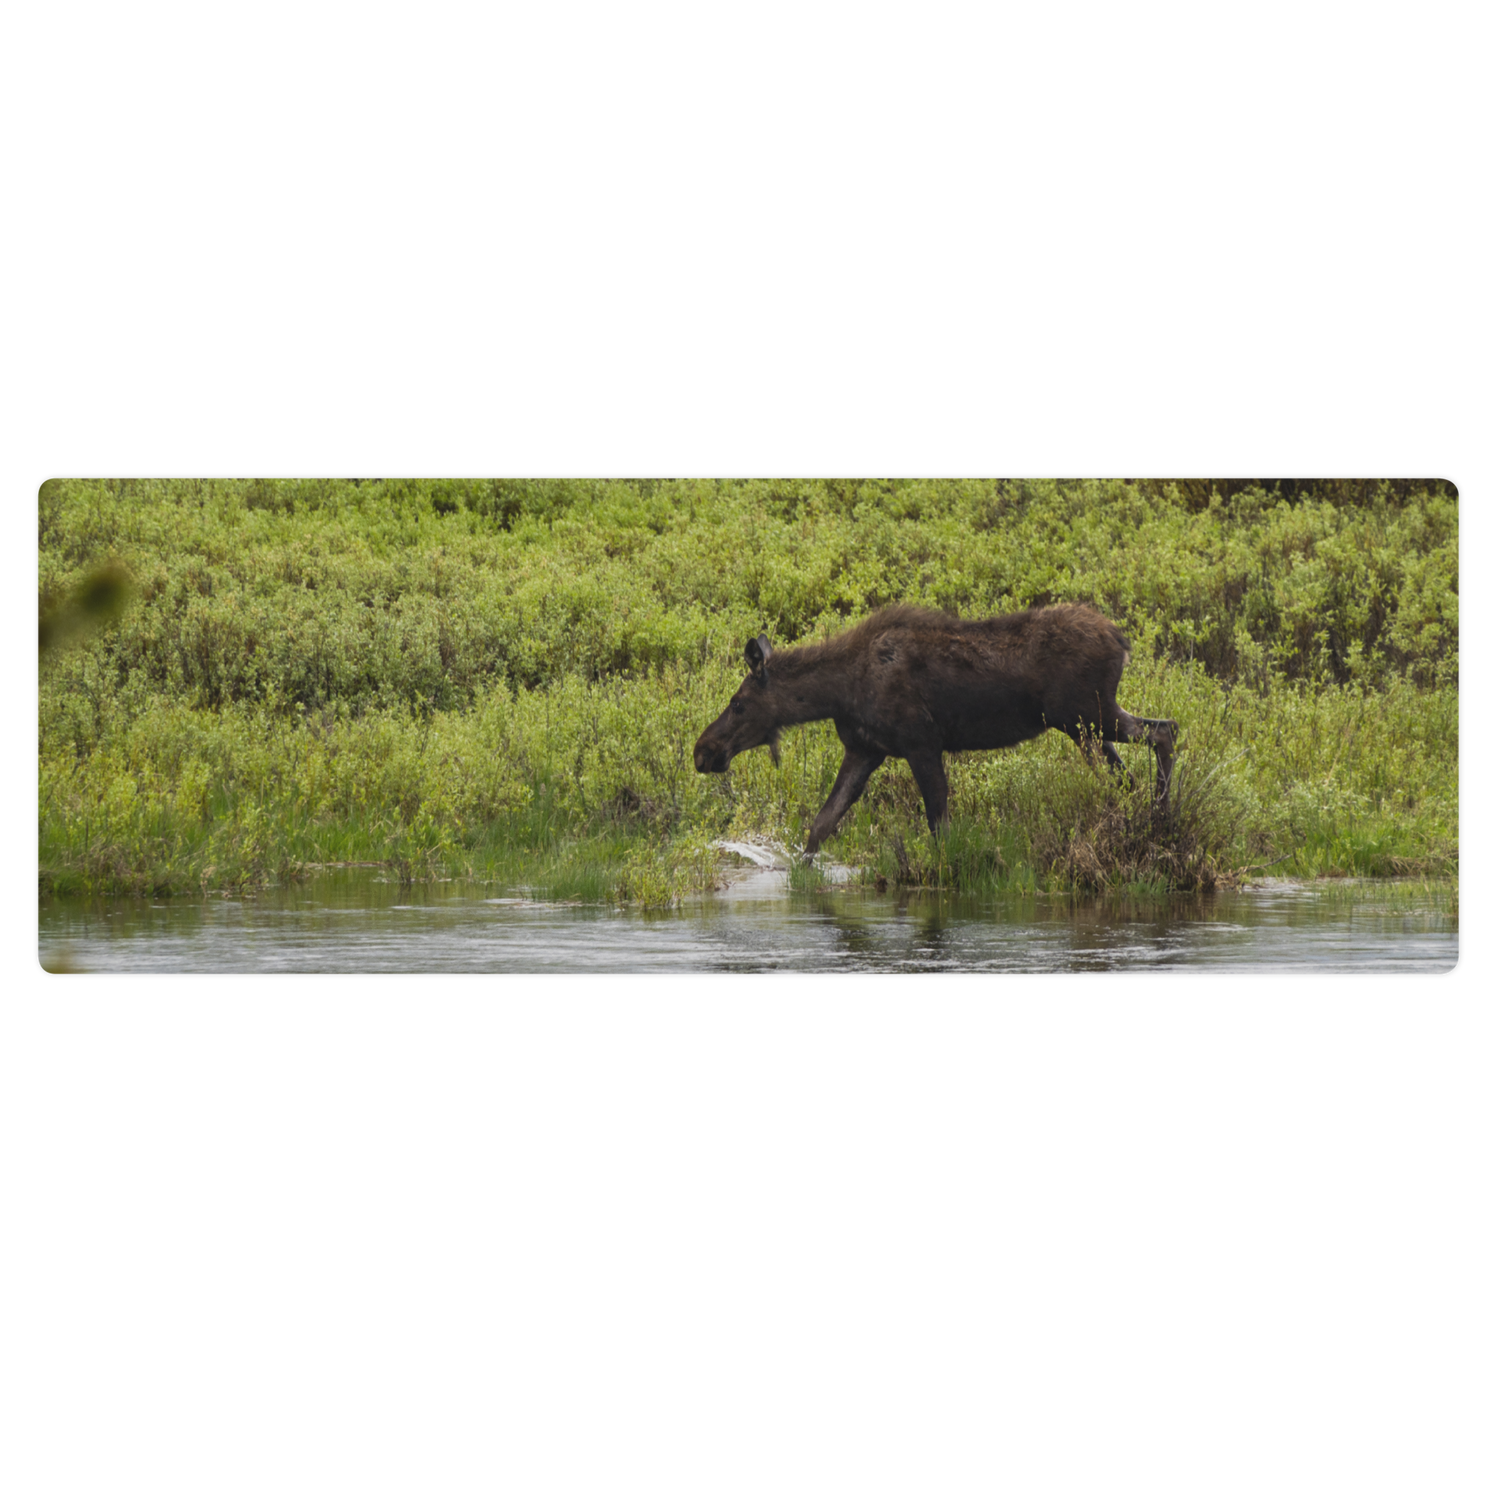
505,679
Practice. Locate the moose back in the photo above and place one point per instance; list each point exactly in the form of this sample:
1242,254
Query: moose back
915,683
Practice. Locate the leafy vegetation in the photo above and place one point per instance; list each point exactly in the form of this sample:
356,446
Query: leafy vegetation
505,678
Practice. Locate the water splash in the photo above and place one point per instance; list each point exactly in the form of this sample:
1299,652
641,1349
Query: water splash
769,854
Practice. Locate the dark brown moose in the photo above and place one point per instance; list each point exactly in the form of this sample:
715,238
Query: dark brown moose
914,683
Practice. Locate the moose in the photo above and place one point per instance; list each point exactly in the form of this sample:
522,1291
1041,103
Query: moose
915,682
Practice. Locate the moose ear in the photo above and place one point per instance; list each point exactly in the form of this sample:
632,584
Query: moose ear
757,654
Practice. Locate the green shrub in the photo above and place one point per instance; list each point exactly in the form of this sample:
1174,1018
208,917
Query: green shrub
447,672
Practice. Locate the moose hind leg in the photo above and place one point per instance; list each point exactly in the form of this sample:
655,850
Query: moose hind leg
1112,759
1160,734
1092,746
1164,742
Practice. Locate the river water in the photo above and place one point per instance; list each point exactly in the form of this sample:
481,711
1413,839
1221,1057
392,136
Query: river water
358,922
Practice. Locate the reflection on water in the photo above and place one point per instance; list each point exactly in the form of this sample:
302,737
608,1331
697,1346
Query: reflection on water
352,923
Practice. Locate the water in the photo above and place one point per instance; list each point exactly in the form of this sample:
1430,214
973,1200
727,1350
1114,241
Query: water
356,922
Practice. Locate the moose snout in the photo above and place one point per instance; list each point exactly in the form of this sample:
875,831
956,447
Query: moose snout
709,761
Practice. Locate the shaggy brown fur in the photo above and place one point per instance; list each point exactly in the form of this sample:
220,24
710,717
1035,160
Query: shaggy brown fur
915,683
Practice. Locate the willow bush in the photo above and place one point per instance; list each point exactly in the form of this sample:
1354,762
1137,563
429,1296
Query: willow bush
506,677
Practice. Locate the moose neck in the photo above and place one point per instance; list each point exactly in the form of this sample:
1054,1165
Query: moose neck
806,686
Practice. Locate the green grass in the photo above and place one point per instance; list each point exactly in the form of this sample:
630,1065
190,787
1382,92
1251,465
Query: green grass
185,799
504,680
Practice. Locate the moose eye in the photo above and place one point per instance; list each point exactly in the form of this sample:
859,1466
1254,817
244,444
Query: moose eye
737,705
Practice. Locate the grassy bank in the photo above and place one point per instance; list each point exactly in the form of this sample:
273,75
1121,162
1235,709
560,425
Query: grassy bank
505,678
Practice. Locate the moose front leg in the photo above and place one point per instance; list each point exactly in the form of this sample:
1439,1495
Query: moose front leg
932,782
858,767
